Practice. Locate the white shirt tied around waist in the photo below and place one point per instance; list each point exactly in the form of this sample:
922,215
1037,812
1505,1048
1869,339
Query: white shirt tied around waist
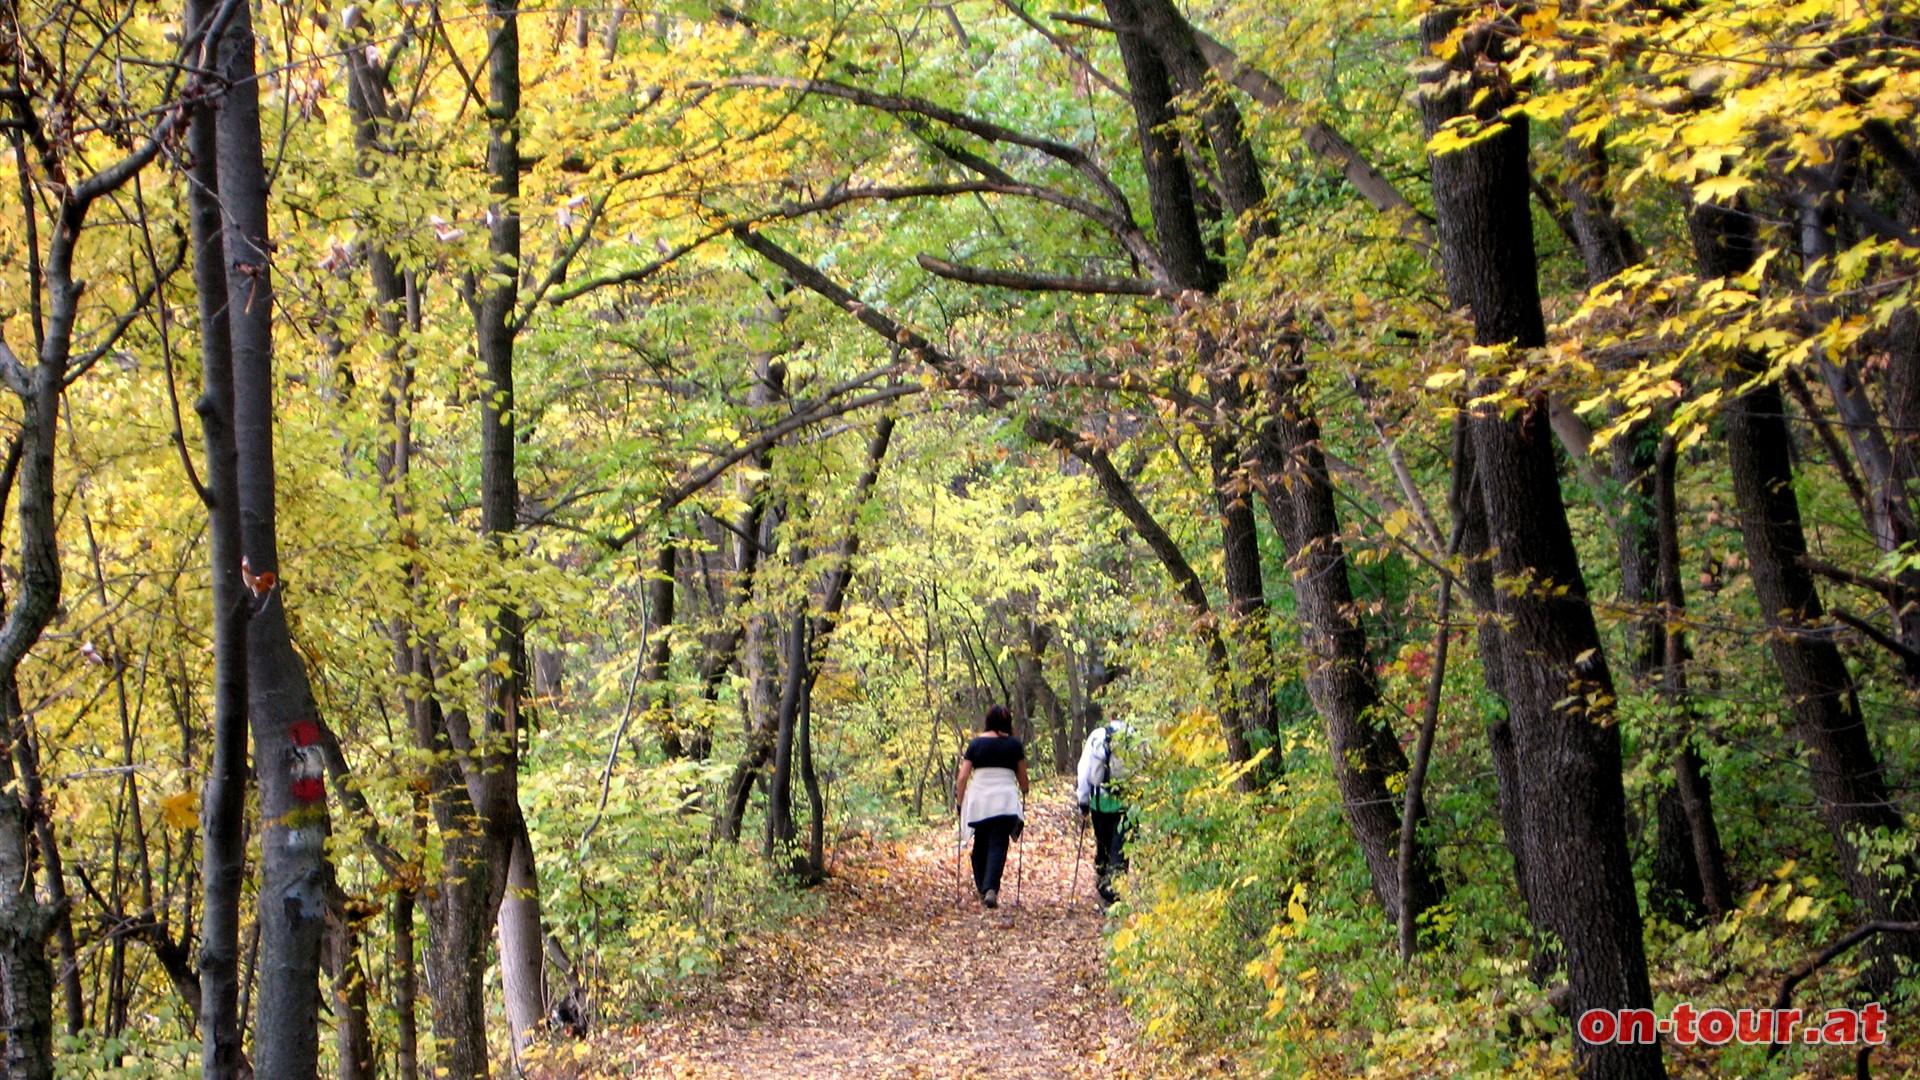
991,792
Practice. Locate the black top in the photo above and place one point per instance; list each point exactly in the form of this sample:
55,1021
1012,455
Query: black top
992,751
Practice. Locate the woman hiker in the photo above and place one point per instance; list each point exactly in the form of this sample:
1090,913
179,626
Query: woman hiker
992,782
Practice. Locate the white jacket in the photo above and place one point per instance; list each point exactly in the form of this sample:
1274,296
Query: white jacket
991,793
1097,754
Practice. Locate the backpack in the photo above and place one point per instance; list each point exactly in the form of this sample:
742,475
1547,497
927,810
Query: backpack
1104,800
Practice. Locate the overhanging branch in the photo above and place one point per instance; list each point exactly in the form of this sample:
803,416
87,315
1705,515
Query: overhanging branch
1090,284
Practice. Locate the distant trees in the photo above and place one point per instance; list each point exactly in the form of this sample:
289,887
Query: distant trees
541,467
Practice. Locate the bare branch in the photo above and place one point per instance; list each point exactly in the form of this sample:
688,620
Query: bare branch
1326,143
12,372
1063,45
1832,952
1071,156
1092,284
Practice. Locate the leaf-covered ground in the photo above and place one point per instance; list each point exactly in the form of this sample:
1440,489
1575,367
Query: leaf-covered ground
905,975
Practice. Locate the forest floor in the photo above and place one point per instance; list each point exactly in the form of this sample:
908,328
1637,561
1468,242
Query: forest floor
904,975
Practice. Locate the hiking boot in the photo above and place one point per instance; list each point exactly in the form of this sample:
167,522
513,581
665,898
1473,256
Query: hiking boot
991,898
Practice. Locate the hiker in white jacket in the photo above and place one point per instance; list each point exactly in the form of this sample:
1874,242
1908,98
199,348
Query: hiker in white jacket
1102,773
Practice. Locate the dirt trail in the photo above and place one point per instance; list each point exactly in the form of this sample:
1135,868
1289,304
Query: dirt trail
905,975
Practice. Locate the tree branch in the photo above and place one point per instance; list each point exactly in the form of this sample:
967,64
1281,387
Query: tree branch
1091,284
1070,156
1326,143
1784,998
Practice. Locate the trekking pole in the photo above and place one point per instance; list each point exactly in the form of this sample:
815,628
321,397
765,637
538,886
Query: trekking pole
959,841
1079,846
1019,865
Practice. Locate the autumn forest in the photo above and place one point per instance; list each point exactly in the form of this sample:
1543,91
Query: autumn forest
512,514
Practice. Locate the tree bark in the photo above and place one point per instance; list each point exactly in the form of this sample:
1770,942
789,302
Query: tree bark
1365,754
495,299
1558,687
352,1030
296,876
223,799
461,909
660,597
1849,788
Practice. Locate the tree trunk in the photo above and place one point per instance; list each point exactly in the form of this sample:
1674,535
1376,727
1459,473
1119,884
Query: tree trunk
26,977
223,800
1247,628
780,828
1121,496
461,908
295,874
406,990
495,299
1848,786
813,868
1558,688
1365,754
660,596
522,939
352,1031
1689,836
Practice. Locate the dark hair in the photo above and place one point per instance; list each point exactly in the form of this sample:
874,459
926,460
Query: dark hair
1000,720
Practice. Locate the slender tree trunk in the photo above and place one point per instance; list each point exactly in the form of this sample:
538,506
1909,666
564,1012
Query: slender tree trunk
1692,792
814,867
522,955
1246,624
1849,788
1121,496
406,989
223,800
780,828
352,1031
660,590
1366,756
295,874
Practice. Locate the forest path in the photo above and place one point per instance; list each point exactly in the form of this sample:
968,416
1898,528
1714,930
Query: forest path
905,975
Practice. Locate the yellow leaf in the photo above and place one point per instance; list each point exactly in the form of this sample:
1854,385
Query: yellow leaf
181,811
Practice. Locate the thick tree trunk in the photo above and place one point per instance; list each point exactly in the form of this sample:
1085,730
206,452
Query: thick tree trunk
1170,188
522,937
26,976
1558,688
1848,785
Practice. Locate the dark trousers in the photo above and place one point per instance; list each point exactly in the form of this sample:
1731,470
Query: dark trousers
1109,851
990,841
